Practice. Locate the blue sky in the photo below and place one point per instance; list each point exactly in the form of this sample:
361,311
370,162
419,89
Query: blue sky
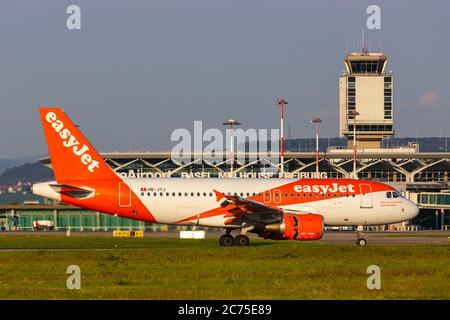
140,69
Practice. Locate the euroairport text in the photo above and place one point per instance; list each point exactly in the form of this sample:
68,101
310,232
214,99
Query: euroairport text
205,175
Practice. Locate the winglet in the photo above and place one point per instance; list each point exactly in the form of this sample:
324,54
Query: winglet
219,195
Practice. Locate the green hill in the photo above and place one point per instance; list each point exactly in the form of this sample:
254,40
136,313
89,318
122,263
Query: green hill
14,162
30,172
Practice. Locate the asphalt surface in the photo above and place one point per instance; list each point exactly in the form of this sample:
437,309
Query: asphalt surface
338,237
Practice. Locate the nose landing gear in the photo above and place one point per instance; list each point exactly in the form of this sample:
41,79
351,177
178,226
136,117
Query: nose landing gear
360,241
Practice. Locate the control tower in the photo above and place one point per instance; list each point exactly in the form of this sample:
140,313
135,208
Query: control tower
366,88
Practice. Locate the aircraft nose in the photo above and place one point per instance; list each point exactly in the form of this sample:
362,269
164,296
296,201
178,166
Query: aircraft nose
412,210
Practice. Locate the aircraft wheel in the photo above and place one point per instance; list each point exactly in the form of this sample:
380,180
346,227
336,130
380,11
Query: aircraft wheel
241,240
226,240
361,242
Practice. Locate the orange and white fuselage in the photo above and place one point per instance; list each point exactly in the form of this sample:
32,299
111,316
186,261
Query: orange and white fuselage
190,201
83,179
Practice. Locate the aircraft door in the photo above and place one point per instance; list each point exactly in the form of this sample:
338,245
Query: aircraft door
124,195
366,195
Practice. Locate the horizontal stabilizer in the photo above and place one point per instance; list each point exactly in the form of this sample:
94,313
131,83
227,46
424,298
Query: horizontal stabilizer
72,191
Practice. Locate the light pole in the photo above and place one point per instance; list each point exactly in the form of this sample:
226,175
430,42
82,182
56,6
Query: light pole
281,102
354,113
231,123
317,121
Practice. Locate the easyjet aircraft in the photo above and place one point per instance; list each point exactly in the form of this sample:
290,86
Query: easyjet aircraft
272,208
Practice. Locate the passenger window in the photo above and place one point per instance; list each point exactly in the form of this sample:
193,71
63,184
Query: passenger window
396,194
388,195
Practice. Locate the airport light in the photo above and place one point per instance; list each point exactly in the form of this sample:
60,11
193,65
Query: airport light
232,124
281,102
354,113
317,121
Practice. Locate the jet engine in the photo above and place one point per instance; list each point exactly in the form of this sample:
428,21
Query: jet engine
295,227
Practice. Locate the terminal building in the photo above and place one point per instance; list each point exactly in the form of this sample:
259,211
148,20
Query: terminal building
365,87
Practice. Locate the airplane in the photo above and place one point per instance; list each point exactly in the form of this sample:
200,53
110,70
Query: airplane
281,209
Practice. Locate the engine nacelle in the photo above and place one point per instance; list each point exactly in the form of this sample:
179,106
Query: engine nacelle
301,227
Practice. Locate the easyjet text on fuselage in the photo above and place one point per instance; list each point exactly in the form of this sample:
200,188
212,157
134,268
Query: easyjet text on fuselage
329,188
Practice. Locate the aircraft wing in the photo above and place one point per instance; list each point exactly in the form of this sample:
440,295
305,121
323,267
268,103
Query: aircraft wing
237,210
239,205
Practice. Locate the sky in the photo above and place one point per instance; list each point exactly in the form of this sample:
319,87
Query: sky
137,70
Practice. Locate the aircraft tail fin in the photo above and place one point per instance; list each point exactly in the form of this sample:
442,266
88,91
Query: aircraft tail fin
72,155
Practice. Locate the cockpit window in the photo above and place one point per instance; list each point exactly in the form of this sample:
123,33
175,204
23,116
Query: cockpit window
396,194
388,195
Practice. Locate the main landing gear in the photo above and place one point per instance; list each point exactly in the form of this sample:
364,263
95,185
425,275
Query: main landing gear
360,241
227,240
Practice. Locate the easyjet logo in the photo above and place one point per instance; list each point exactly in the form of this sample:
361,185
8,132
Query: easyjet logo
329,188
70,141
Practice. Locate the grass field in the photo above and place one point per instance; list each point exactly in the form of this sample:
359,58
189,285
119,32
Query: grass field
154,268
